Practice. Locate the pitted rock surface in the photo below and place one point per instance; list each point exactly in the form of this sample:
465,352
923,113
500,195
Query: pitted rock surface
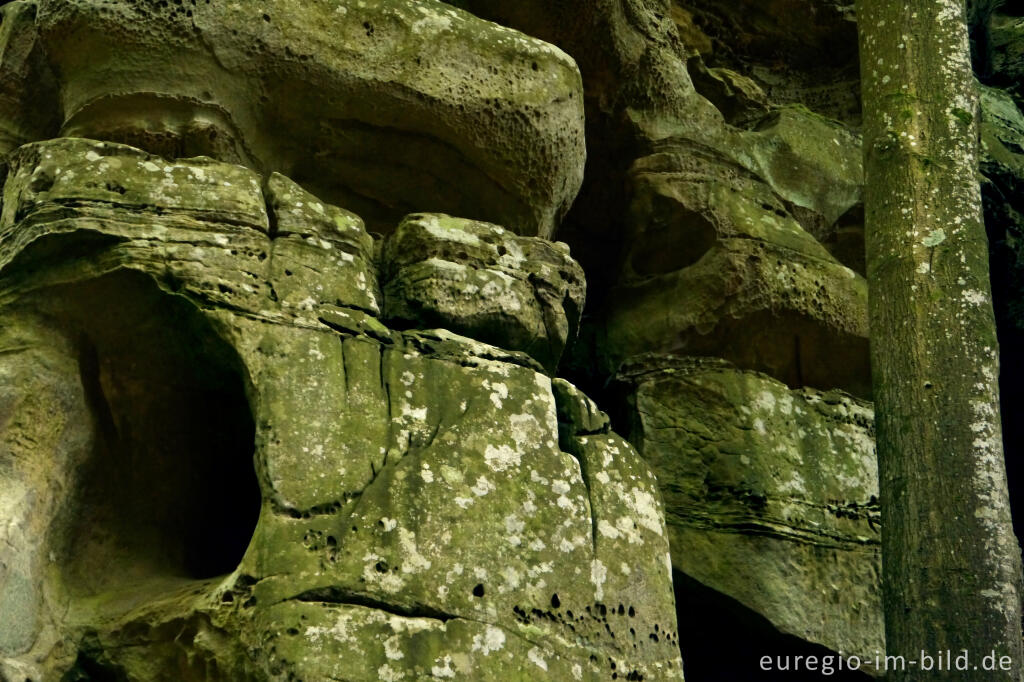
480,280
386,106
286,356
744,281
783,482
427,504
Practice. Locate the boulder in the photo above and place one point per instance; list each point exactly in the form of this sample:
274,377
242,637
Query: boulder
484,282
321,253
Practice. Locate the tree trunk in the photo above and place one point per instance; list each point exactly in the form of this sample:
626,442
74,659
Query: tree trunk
951,564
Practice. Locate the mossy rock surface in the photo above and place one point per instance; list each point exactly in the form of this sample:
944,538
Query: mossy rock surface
266,481
482,281
781,482
385,106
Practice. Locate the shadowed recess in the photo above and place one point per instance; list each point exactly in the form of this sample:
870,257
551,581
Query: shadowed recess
723,641
170,492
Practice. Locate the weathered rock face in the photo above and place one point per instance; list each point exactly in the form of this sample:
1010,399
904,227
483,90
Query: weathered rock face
322,254
385,106
1002,137
288,365
423,504
812,62
774,493
1002,48
719,267
477,279
998,39
47,432
739,240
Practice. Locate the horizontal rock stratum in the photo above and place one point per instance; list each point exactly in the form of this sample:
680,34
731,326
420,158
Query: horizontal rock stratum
385,107
771,494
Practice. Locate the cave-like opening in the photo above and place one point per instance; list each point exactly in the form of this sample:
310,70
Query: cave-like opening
170,493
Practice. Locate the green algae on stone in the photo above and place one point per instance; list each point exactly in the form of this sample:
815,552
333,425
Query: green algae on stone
1002,166
407,478
781,481
484,282
26,113
320,641
1007,36
467,522
200,226
802,320
321,253
686,199
45,435
102,177
808,160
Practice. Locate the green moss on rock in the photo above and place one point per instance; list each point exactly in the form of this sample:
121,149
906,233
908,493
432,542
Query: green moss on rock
782,482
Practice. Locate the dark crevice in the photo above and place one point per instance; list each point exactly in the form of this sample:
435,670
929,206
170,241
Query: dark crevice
383,367
573,448
423,342
755,528
568,442
350,306
325,509
88,668
354,329
798,361
344,597
723,641
89,373
272,222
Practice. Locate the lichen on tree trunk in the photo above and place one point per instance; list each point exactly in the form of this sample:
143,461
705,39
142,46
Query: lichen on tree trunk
951,563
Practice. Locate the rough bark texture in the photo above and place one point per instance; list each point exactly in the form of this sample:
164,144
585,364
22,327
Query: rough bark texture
951,563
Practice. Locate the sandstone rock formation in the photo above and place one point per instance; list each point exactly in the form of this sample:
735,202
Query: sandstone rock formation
294,379
477,279
383,106
424,504
774,493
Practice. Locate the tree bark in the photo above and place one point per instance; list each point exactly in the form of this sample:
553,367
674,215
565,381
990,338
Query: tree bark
951,563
